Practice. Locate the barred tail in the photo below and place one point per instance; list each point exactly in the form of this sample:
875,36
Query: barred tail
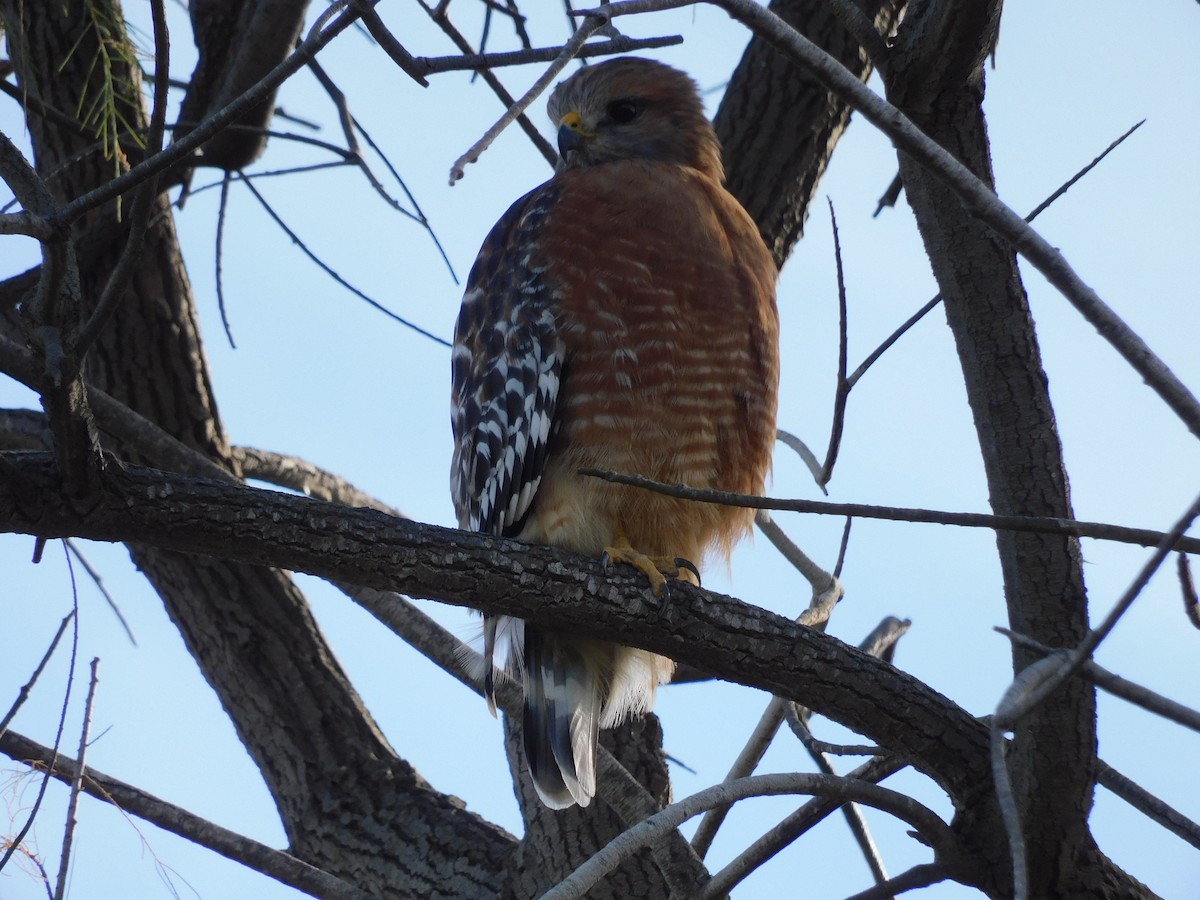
564,696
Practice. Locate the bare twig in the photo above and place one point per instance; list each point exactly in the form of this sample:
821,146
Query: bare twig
375,304
259,857
1070,182
219,256
842,392
99,582
925,821
64,863
586,29
1040,208
351,129
1191,603
298,474
790,828
483,61
810,458
890,195
1067,666
891,339
1037,524
419,213
746,762
443,22
881,642
19,837
391,46
797,717
1147,804
1118,686
23,693
826,589
843,547
917,877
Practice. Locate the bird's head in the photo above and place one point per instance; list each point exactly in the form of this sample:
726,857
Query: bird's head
631,108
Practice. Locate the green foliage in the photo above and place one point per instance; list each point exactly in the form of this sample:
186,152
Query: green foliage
108,101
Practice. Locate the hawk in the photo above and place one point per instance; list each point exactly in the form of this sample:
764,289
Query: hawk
620,316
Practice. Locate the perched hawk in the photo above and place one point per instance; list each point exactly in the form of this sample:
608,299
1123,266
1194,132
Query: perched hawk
621,316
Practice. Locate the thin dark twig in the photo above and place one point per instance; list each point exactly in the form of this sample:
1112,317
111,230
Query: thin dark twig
518,21
329,24
1035,524
843,547
920,876
1037,210
890,195
486,33
1070,182
892,338
797,719
274,173
219,257
420,214
482,62
390,45
1148,804
23,694
351,128
842,393
334,275
19,837
543,146
64,863
99,582
1191,603
145,195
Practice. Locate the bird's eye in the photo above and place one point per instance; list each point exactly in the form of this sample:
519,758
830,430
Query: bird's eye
623,111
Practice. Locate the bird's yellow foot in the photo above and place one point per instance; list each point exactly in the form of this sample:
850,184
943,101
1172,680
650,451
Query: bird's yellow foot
656,568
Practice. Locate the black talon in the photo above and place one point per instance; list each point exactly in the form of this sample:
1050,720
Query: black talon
681,563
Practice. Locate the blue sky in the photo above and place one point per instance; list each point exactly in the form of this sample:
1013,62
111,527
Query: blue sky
318,373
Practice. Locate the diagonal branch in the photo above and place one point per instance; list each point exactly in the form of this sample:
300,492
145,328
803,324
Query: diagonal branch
259,857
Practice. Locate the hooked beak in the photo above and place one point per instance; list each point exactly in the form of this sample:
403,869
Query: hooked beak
571,133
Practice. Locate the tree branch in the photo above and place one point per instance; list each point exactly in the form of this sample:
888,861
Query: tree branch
259,857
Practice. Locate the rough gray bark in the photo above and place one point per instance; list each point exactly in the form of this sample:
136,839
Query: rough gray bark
936,76
774,170
337,783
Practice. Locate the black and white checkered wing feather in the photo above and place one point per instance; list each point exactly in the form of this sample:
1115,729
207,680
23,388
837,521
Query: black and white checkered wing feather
506,367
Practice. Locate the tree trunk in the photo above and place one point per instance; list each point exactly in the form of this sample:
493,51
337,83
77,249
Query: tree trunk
348,803
936,77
